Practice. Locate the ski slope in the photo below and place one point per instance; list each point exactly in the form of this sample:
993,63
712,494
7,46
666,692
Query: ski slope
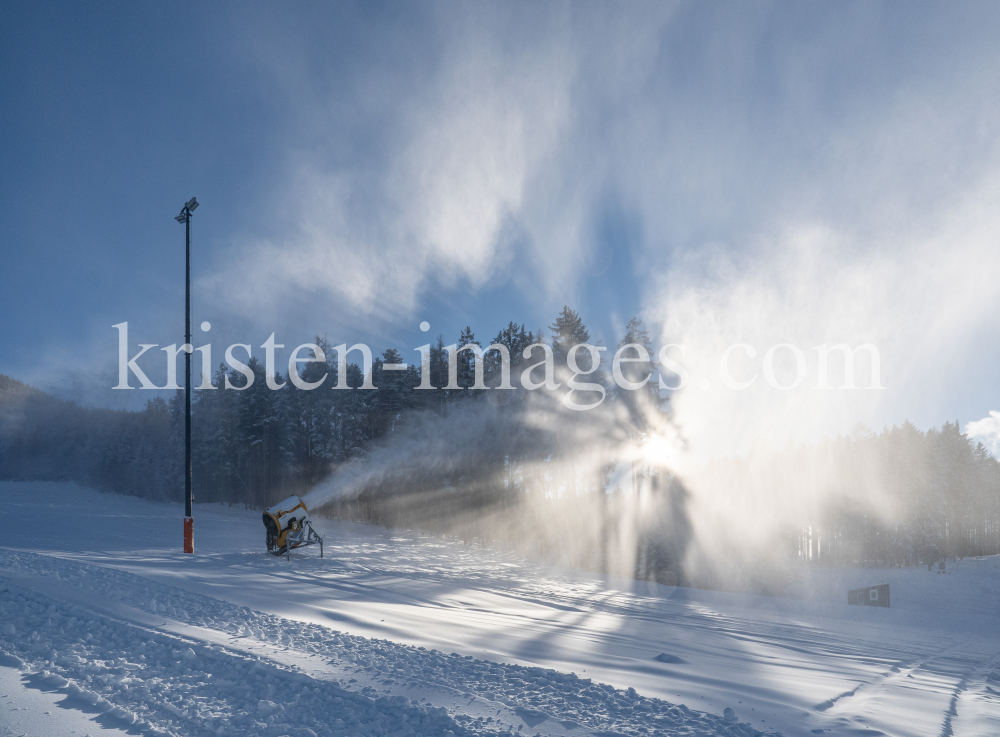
105,628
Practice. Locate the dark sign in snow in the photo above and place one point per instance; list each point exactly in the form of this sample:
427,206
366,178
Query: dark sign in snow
870,596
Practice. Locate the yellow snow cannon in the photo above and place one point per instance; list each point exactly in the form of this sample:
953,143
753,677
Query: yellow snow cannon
288,527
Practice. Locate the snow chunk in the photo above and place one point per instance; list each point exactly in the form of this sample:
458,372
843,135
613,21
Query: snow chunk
53,680
667,658
10,661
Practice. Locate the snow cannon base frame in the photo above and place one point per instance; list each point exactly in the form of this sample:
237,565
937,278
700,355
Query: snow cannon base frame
288,528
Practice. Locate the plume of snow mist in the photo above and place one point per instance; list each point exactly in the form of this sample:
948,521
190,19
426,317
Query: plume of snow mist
529,473
924,299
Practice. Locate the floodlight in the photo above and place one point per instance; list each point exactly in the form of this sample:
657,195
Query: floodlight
192,204
181,218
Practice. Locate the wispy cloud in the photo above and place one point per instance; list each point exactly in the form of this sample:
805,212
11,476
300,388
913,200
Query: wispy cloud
486,167
800,176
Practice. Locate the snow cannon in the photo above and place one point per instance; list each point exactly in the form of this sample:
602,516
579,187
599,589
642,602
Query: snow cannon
288,527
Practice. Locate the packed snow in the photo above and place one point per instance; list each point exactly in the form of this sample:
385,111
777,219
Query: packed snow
105,628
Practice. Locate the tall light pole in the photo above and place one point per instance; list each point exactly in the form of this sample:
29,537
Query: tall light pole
185,217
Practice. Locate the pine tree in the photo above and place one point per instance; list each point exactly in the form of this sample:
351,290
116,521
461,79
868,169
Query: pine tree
395,391
516,339
467,362
567,331
645,400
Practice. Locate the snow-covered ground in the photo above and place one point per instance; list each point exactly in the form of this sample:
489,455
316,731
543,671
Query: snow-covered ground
106,628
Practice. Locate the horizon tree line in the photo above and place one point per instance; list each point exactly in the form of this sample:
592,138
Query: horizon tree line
507,468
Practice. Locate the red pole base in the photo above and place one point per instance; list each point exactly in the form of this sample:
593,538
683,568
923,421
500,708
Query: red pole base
188,534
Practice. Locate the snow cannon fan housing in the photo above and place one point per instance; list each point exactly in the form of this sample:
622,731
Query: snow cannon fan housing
288,527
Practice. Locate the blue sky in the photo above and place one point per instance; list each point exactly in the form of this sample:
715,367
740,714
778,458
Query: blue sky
829,169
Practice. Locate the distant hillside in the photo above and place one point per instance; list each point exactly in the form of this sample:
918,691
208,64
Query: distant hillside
11,389
46,438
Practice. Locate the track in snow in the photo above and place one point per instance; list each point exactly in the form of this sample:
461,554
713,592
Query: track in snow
143,671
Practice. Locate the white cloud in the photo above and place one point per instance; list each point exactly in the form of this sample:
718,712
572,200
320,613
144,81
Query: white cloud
987,432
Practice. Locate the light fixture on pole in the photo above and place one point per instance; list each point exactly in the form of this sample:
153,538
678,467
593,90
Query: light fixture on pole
185,217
